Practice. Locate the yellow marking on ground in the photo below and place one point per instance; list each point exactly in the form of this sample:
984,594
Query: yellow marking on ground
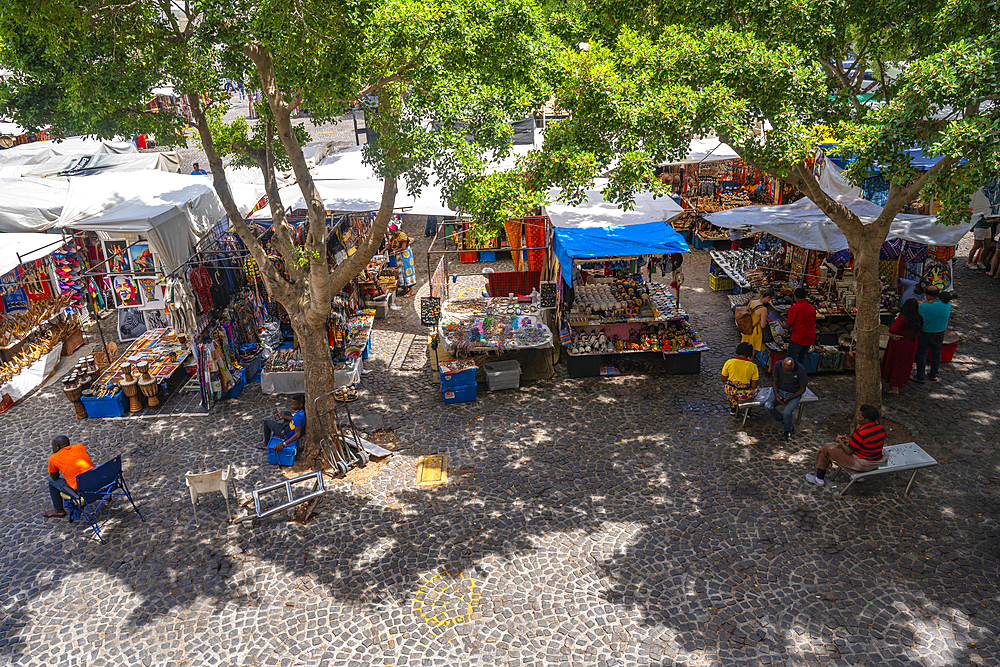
432,469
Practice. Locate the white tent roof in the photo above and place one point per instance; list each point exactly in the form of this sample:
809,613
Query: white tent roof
343,166
40,151
30,204
596,212
80,165
805,225
173,211
707,149
360,195
29,246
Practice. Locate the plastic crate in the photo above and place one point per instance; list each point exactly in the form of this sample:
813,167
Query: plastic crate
487,256
238,387
701,244
503,375
720,283
741,290
285,457
459,394
109,406
460,379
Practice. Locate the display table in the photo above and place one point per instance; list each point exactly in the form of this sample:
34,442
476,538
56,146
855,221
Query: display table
159,348
294,382
33,376
495,324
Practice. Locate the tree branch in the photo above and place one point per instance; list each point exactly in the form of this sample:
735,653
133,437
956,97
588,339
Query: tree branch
838,74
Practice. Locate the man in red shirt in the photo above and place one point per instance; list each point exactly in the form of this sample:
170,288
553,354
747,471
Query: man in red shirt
802,322
70,460
861,452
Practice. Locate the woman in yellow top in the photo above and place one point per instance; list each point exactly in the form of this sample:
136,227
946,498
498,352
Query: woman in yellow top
758,308
740,376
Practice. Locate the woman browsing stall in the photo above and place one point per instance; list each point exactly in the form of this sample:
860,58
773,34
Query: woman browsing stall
752,318
902,347
740,377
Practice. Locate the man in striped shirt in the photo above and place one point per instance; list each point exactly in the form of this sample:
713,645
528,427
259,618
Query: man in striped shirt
861,452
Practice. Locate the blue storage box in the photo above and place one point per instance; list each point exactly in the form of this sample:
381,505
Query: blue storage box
365,353
238,387
109,406
487,256
458,379
701,244
459,394
285,457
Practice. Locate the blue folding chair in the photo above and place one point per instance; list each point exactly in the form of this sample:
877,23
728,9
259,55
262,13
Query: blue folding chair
93,489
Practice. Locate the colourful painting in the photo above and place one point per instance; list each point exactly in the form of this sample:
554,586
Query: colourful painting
148,287
126,291
117,255
12,290
142,258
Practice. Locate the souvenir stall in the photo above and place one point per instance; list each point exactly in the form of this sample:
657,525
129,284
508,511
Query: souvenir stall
714,178
41,310
620,308
801,247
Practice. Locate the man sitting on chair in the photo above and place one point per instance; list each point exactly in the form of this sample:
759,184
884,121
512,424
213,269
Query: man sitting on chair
862,452
70,460
289,432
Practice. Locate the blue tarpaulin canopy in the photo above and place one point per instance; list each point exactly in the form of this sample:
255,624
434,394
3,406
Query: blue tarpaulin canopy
651,238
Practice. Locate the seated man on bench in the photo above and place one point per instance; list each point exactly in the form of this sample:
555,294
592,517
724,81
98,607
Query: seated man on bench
862,452
70,460
288,432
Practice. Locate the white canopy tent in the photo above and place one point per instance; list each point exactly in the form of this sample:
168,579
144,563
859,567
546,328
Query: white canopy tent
31,204
65,166
805,225
597,212
172,211
360,195
16,248
41,151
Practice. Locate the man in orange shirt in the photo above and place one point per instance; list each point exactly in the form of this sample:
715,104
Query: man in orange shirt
70,460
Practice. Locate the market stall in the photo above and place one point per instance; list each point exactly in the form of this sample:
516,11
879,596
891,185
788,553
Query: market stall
495,324
802,247
620,301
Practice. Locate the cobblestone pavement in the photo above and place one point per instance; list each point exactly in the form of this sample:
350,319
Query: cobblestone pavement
622,521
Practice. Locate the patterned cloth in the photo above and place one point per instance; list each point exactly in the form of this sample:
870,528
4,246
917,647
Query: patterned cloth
409,275
251,270
914,252
840,257
737,393
891,249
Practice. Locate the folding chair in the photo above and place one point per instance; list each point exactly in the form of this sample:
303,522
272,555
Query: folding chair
206,482
93,489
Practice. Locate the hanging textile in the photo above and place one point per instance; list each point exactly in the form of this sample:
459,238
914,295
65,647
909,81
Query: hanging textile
534,233
513,229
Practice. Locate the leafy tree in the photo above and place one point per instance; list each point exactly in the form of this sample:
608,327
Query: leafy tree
657,73
464,68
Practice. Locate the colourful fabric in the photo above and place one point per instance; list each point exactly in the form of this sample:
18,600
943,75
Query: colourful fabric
935,316
71,461
914,252
513,229
738,393
409,275
802,321
891,249
741,372
840,257
534,232
868,440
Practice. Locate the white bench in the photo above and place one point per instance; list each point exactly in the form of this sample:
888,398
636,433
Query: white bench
907,456
765,393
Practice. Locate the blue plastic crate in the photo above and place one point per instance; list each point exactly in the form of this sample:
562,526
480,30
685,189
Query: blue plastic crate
487,256
460,379
701,244
459,394
238,387
285,457
740,290
109,406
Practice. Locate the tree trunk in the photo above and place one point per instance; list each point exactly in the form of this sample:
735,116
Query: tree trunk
319,379
867,373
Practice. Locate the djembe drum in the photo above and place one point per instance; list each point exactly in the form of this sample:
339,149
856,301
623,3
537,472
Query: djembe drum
74,391
131,389
147,385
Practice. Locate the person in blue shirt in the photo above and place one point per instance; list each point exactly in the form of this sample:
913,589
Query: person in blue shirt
288,426
198,171
935,313
911,289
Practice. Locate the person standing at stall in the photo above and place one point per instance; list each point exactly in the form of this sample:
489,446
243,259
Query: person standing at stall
752,318
802,322
902,347
400,247
931,339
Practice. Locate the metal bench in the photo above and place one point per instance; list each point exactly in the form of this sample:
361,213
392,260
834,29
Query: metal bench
907,456
764,394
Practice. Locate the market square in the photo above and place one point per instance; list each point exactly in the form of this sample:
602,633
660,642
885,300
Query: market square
499,333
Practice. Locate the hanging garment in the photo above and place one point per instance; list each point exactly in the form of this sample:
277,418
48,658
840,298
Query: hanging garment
201,281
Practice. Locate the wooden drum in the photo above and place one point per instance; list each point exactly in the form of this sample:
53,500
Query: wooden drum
131,389
74,397
149,389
